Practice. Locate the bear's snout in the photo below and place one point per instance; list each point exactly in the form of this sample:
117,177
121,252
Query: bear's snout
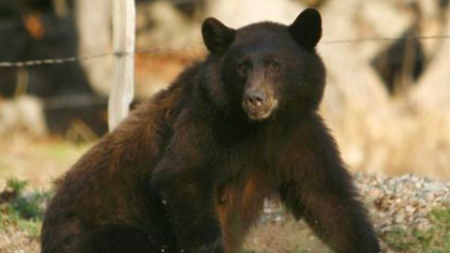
255,98
258,104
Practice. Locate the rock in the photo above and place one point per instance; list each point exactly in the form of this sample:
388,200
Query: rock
236,13
169,28
24,115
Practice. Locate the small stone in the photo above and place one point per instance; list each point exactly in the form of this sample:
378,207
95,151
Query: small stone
375,193
409,209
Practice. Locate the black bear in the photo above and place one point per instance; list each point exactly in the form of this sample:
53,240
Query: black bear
189,170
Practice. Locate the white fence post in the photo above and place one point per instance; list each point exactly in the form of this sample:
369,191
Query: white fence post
122,90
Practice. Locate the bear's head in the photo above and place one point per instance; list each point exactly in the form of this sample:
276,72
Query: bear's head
265,68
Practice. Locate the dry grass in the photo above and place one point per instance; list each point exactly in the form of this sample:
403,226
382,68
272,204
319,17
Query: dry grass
39,161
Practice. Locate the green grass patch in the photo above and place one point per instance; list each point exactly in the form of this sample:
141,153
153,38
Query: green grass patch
21,209
436,239
62,151
294,251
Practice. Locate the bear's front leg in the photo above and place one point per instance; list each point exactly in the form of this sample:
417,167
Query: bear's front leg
189,204
186,185
317,187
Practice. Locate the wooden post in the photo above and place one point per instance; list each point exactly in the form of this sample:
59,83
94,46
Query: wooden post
122,90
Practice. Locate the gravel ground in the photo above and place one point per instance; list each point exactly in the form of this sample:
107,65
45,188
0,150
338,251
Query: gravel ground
402,201
392,202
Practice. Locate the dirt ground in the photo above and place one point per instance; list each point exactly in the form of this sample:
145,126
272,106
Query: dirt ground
283,237
271,237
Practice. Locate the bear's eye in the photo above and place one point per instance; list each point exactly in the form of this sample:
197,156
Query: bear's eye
274,65
243,68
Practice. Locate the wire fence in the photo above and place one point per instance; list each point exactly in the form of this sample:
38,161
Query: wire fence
55,61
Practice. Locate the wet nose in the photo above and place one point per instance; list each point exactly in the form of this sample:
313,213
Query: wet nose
255,98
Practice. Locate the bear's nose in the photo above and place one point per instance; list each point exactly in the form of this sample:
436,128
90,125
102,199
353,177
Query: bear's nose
255,98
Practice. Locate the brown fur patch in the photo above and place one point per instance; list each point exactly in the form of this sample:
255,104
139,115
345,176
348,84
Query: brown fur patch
239,204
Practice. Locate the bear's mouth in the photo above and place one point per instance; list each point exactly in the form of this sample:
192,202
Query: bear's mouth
260,113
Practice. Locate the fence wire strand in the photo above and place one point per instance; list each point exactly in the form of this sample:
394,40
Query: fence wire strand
433,37
57,61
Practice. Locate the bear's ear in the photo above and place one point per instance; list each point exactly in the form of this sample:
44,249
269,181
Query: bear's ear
307,28
217,36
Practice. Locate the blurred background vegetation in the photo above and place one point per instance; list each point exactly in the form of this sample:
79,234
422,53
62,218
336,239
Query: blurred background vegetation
387,99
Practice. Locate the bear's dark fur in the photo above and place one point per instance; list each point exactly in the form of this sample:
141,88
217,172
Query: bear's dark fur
189,170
